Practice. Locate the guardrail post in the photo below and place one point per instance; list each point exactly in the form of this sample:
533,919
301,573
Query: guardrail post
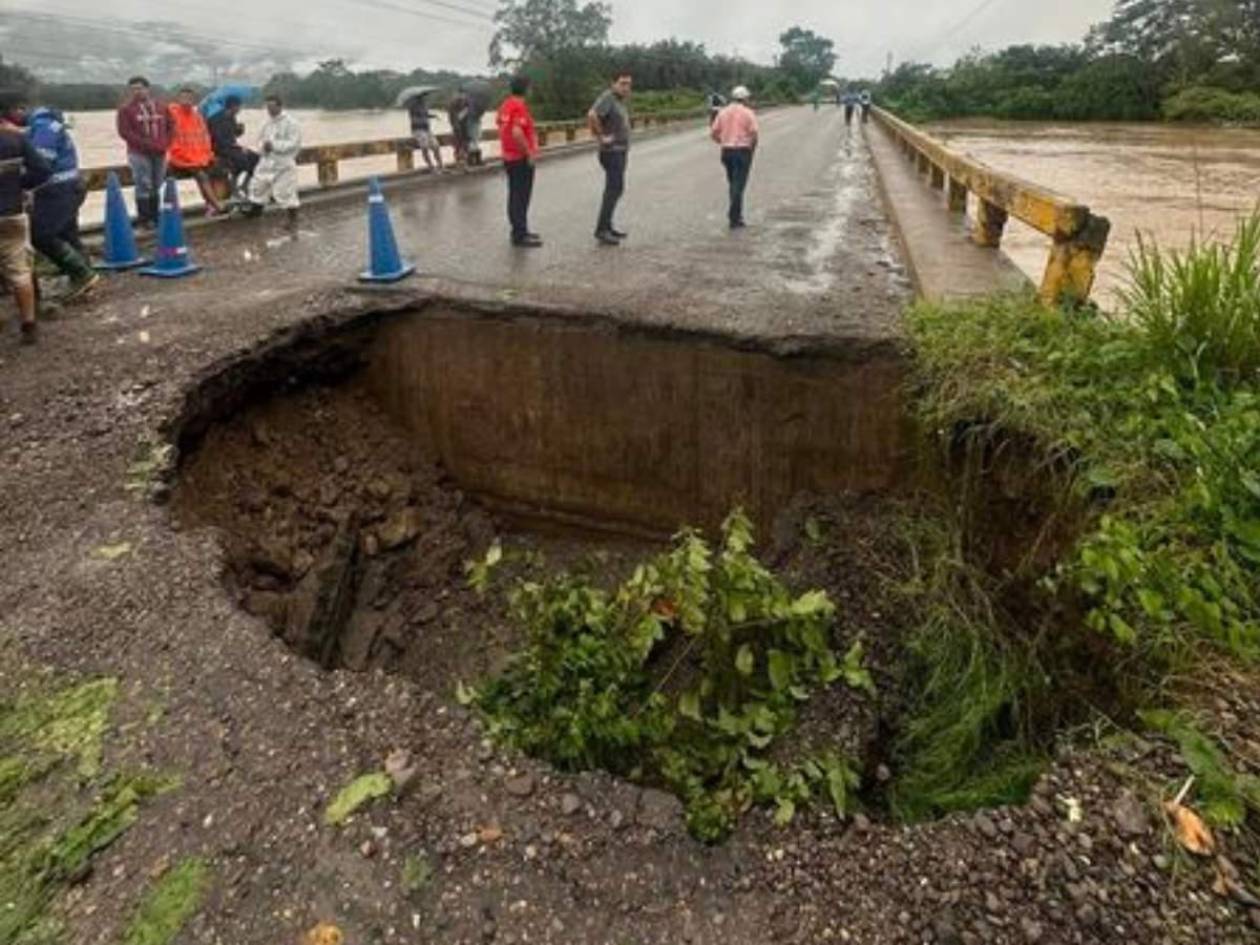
957,196
1073,263
570,133
990,222
327,171
922,162
938,177
406,159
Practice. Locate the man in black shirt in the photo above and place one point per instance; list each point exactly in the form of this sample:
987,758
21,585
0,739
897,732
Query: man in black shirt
22,168
422,130
225,133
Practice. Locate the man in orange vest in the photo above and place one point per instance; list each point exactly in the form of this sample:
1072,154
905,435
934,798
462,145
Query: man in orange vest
191,153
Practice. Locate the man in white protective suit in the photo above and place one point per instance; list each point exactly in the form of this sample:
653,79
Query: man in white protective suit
276,177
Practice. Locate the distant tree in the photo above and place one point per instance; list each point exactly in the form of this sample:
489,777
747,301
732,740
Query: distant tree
807,58
15,77
530,30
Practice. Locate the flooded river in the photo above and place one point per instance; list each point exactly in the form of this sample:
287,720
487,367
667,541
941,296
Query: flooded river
1166,181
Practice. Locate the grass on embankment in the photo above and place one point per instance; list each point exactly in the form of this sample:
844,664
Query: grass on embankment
60,807
1151,419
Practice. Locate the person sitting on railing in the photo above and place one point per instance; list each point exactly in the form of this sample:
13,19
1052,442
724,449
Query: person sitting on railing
276,177
225,134
191,153
55,203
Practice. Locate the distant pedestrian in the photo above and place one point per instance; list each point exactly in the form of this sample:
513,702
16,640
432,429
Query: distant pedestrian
864,99
146,127
609,123
54,217
225,135
518,142
478,95
736,130
21,168
276,178
850,100
191,152
715,103
457,116
422,130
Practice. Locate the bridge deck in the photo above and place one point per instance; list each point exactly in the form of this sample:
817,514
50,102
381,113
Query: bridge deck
816,261
817,258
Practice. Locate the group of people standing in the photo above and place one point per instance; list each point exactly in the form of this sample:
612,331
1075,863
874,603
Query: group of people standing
733,127
42,189
178,140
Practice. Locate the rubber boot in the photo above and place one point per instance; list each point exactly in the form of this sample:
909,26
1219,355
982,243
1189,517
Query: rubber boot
71,263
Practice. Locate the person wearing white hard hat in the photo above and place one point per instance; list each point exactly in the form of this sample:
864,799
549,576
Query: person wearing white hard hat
735,130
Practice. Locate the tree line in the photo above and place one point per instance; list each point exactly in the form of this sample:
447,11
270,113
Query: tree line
564,47
1183,60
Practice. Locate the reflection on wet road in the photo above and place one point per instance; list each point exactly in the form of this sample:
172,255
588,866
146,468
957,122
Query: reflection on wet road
816,257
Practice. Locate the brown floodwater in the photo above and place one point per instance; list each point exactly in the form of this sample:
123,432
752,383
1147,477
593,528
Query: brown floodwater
1170,182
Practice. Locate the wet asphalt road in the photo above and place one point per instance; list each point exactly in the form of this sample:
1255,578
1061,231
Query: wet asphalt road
816,258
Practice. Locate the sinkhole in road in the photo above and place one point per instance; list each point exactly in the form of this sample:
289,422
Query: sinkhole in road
354,467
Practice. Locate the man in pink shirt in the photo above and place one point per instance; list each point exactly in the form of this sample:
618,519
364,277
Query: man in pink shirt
735,129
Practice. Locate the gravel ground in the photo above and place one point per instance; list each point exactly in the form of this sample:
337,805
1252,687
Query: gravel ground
262,738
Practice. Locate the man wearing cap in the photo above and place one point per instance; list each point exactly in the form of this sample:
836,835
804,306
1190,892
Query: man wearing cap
735,129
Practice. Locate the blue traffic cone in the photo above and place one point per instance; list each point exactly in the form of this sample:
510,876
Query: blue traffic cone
120,239
384,263
172,253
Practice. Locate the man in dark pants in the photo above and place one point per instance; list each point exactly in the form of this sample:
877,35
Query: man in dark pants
609,122
54,218
22,168
518,142
735,129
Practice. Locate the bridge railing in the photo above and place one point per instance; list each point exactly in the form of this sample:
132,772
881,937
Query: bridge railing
327,157
1079,236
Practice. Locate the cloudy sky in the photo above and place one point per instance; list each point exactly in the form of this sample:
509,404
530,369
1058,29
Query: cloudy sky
454,33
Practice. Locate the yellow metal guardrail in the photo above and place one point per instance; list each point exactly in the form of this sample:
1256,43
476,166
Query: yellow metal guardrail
327,157
1079,236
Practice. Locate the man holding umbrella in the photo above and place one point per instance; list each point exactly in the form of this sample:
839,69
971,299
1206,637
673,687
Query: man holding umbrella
416,100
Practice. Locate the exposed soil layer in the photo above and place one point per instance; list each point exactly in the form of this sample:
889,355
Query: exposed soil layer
261,739
350,543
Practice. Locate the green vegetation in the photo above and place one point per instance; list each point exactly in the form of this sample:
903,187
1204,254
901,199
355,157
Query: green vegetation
970,736
50,826
1200,58
684,676
1205,104
169,904
1151,420
367,787
1226,795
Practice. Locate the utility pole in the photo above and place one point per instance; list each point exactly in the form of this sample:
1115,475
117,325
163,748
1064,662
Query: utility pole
888,65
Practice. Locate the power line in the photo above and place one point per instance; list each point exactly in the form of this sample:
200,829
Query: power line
938,38
424,14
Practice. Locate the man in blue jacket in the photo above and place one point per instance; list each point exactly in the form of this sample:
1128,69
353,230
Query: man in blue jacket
55,211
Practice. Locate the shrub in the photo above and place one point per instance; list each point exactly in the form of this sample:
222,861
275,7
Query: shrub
1200,310
1209,105
684,676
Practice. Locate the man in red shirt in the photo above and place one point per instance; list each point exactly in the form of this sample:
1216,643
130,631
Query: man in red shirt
518,141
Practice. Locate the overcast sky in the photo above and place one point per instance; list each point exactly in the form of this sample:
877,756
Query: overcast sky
454,33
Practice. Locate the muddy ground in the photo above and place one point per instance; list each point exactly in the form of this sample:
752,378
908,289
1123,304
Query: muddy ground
261,738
